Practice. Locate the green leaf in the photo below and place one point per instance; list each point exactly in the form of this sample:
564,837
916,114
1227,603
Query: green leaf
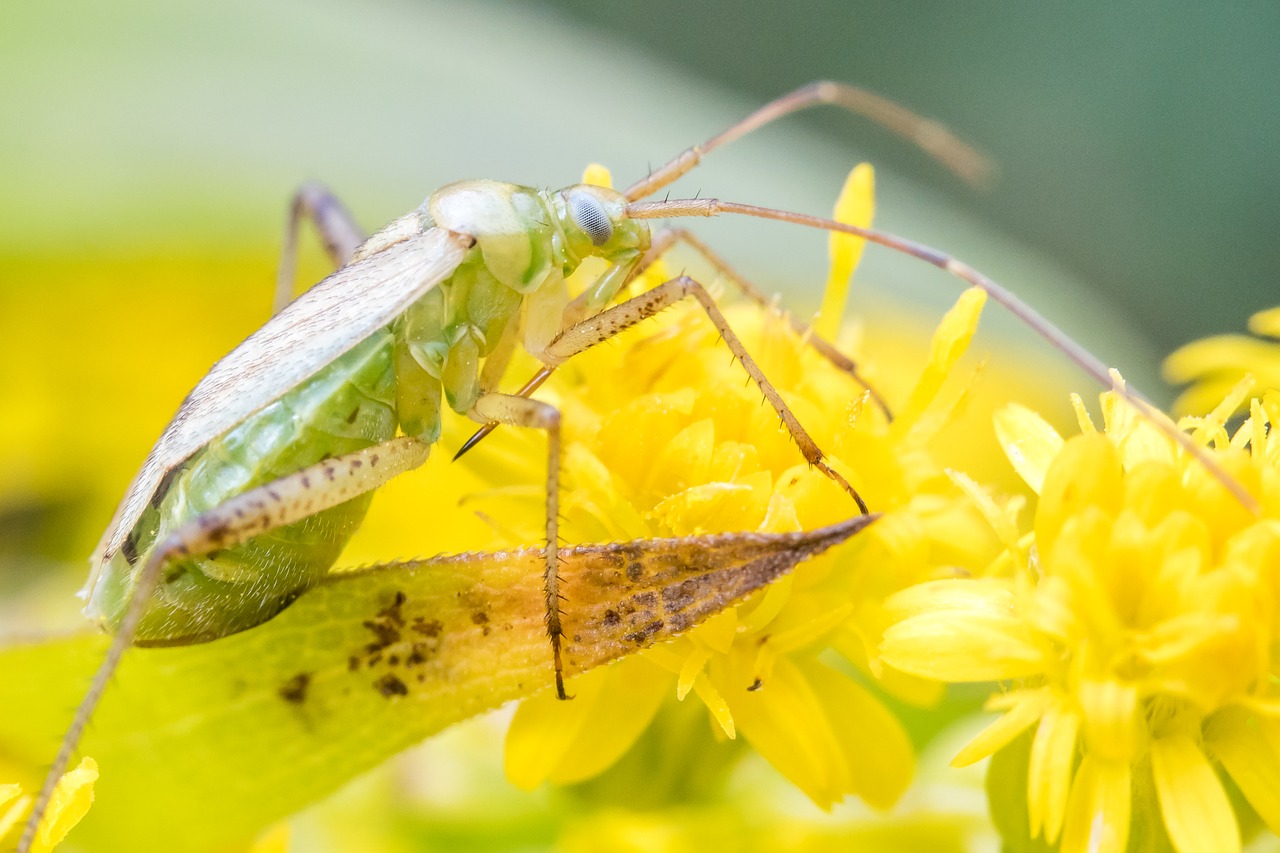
200,747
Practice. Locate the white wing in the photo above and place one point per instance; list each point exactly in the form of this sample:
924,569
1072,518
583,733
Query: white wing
294,345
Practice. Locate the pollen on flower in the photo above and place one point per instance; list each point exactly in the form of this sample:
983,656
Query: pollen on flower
1136,626
665,436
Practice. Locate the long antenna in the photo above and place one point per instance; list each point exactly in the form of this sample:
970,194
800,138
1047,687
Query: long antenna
928,135
1060,340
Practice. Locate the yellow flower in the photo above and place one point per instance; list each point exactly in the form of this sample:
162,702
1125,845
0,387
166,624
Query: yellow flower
1137,628
1216,364
664,438
71,800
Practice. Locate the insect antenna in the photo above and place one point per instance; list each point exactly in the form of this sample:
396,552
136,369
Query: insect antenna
928,135
1035,321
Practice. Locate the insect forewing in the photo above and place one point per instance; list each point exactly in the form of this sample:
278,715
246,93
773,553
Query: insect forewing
317,327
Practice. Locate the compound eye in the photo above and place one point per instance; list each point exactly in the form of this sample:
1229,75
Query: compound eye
589,214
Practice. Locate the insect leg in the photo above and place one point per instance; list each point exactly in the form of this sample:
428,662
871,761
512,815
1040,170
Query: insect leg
284,501
663,241
610,322
927,134
521,411
338,231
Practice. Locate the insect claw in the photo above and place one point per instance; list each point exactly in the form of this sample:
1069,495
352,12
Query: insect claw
474,440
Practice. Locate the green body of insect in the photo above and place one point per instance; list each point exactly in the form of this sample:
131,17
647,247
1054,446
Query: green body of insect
512,281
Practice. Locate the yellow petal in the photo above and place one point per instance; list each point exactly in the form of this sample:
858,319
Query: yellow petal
15,808
1029,442
1220,353
715,703
949,343
960,630
1085,473
1028,706
1097,818
1112,719
1053,754
787,724
1266,322
1195,808
570,741
1003,521
873,745
855,206
71,800
597,175
1250,760
690,671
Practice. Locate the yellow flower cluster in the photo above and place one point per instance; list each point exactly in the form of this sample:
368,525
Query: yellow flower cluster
664,438
1136,626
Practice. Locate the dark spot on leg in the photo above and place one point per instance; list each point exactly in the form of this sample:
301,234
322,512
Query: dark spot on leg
393,660
295,689
611,618
373,461
353,663
355,413
480,617
635,571
388,685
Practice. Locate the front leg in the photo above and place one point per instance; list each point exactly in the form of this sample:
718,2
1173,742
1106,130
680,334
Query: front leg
619,318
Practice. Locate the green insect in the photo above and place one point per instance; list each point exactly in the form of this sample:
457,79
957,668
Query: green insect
265,472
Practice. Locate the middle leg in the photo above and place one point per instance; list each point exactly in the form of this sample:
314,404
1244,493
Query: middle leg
663,241
516,410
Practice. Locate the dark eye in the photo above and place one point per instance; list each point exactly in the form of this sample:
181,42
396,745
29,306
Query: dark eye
589,214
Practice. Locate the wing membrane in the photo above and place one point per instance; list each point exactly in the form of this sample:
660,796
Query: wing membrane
294,345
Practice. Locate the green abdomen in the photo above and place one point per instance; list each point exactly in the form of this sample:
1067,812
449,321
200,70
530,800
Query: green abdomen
348,406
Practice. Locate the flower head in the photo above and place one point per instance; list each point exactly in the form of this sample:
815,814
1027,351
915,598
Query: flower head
664,437
1136,628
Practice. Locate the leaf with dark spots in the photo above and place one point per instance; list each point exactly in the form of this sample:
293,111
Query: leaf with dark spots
223,717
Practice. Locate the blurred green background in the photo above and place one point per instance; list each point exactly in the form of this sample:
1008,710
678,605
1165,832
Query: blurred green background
1137,142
